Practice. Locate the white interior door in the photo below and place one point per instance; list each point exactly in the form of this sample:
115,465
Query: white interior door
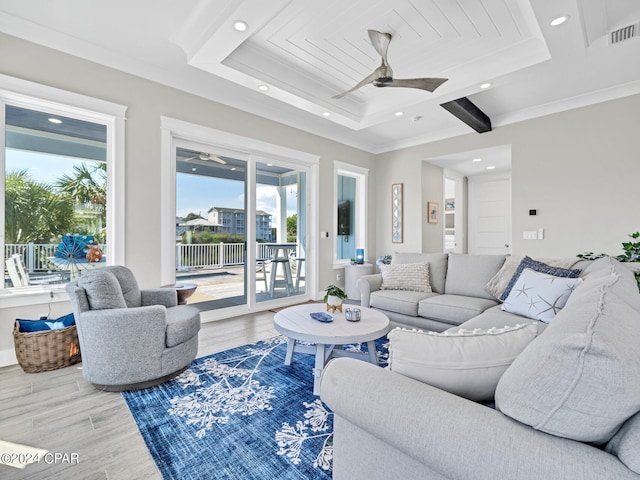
490,215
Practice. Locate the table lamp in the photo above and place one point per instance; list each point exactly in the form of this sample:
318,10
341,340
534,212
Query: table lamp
360,255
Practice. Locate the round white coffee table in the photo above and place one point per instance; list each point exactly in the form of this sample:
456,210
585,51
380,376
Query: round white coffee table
296,324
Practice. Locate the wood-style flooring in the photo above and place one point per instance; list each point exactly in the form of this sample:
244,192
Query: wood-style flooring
62,413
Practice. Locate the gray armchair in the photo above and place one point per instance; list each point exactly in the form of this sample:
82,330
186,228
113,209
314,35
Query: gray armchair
131,338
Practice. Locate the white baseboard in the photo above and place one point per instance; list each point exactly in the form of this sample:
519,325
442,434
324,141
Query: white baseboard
8,357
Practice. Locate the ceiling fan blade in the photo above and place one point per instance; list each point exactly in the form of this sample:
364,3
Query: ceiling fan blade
375,74
428,84
217,159
380,42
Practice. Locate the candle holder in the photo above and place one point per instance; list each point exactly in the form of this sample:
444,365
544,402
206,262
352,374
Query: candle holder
352,314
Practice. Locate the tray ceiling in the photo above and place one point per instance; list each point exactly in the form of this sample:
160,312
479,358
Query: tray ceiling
307,51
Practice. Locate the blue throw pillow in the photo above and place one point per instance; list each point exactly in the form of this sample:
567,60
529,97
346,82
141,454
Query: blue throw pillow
48,324
528,262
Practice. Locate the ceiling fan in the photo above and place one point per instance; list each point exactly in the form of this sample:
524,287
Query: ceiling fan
206,156
383,75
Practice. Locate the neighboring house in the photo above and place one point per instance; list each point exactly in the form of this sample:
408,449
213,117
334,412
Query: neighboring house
232,221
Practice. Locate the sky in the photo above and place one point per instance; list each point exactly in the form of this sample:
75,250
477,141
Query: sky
194,193
197,194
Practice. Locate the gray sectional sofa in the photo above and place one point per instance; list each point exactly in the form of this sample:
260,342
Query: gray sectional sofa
459,291
567,407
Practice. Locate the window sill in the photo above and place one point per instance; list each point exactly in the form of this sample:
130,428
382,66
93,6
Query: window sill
24,296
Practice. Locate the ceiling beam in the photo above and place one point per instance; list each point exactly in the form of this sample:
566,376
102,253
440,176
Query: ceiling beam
466,110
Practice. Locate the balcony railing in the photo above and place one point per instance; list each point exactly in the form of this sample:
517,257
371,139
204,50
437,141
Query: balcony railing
188,257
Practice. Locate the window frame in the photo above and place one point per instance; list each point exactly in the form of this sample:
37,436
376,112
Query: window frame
361,175
35,96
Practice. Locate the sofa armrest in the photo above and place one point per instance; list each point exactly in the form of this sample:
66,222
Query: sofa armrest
458,438
159,296
367,284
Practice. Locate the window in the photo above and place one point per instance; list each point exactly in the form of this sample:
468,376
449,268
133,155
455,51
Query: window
61,166
349,210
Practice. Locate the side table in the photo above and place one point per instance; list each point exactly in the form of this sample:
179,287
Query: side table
184,291
352,273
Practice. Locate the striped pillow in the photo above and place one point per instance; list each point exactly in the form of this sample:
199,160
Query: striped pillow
413,277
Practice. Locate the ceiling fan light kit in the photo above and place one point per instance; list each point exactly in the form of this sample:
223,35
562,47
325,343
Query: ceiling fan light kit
383,75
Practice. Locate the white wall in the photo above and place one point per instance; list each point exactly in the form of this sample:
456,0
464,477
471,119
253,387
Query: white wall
146,102
579,168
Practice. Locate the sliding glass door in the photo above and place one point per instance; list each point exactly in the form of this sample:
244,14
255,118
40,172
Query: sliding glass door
240,227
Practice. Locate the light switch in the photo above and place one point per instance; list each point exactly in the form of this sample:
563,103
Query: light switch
541,234
530,235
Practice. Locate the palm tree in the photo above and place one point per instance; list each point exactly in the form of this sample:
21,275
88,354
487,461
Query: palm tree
87,186
34,212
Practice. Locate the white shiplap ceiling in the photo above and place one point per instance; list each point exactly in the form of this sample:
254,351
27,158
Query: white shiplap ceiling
306,51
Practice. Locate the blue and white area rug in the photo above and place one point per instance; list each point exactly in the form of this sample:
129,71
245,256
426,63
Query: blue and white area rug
240,414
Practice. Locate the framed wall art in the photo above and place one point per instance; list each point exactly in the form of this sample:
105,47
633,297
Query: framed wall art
432,212
449,204
396,213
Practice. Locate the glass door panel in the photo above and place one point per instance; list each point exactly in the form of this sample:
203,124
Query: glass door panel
280,232
211,227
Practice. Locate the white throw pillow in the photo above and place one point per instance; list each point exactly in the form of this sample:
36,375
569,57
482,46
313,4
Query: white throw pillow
468,363
406,276
539,295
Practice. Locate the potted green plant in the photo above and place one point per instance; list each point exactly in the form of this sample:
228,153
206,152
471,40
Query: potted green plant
333,297
631,253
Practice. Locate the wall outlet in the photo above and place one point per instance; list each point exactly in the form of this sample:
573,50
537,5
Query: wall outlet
541,234
338,277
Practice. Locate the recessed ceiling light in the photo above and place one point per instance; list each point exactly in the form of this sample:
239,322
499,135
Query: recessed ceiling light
233,169
193,169
55,120
240,25
559,20
269,164
476,160
491,167
485,85
263,88
326,114
399,114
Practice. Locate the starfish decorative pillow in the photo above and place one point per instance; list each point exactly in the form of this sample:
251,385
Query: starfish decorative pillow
539,296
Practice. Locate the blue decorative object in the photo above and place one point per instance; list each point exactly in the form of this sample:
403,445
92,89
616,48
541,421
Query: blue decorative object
47,324
321,317
360,255
74,247
252,415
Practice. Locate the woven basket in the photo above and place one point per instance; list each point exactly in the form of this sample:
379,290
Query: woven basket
46,350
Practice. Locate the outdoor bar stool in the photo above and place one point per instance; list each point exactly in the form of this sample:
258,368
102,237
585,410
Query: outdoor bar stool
286,272
299,265
262,268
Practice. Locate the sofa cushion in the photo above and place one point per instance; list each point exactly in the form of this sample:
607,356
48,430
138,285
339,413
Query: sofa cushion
626,443
468,274
183,322
528,262
437,266
539,296
468,363
399,301
495,317
406,276
102,289
128,285
563,383
453,309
